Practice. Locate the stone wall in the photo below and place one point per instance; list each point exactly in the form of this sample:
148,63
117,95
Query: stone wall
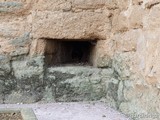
127,34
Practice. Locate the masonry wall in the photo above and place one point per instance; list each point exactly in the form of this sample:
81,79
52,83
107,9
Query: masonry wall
128,44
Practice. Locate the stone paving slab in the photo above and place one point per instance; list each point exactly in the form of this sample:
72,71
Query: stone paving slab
71,111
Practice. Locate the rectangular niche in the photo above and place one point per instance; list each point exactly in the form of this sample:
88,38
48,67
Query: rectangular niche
69,52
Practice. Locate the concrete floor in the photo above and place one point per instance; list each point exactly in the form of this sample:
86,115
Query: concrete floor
71,111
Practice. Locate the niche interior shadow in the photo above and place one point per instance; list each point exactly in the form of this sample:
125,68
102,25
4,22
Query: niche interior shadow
63,52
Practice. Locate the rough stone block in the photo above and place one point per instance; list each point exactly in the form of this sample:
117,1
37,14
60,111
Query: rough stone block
85,25
28,68
15,7
80,84
5,67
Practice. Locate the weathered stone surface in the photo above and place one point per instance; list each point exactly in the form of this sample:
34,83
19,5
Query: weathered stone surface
5,67
70,5
151,21
84,25
10,6
72,84
127,52
17,7
2,90
25,91
28,68
64,84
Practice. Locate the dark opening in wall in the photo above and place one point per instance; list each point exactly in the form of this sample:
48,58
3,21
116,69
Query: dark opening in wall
76,52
